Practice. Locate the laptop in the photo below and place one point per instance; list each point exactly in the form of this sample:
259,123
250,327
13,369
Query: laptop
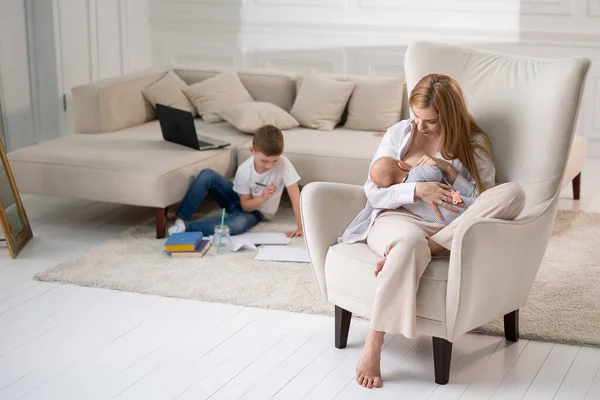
177,126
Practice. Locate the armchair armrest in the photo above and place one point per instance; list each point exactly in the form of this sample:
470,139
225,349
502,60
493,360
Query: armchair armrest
112,104
327,209
493,265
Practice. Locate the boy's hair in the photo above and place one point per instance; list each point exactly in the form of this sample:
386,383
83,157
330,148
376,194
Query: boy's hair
268,140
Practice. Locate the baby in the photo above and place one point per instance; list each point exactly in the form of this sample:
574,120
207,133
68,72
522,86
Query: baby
386,172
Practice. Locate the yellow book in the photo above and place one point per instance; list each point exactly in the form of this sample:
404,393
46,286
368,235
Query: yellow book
199,252
180,247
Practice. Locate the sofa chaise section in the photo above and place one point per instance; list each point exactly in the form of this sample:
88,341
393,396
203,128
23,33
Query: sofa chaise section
133,166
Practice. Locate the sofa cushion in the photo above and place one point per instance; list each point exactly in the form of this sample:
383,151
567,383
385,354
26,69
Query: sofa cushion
321,102
132,166
349,271
275,87
168,91
214,94
341,155
248,117
404,112
375,103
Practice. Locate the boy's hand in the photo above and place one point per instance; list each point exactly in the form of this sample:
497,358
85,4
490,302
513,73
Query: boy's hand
297,233
268,191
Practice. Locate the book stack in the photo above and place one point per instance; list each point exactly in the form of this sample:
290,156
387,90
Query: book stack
187,244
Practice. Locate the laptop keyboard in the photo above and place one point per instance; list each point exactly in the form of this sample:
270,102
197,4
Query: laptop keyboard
204,144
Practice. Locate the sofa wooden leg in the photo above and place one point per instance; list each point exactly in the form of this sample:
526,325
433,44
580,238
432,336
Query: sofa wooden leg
342,327
577,186
511,326
161,222
442,354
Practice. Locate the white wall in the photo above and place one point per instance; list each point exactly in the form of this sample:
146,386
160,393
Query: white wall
370,36
100,39
49,46
15,89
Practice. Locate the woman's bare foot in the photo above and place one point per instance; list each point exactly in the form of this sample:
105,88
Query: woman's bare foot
368,370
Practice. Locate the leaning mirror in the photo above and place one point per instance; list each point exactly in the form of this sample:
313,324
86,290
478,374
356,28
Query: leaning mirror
13,218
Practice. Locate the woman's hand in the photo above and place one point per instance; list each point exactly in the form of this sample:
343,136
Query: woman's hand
447,169
379,265
443,165
435,194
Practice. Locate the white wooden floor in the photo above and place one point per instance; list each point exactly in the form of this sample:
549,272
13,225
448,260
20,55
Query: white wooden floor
69,342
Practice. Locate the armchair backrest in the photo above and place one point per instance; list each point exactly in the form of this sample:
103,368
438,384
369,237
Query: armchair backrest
527,106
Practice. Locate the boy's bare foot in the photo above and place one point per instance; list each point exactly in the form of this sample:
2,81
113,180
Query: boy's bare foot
368,370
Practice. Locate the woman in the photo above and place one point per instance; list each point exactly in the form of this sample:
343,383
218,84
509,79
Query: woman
442,133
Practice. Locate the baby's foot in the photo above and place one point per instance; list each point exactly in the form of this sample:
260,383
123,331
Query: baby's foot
178,227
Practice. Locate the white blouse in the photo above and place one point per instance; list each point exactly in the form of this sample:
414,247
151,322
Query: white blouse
395,143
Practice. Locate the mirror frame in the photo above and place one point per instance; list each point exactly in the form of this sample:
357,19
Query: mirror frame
15,244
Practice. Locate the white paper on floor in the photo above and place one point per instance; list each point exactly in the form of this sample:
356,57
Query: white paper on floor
265,237
282,253
238,243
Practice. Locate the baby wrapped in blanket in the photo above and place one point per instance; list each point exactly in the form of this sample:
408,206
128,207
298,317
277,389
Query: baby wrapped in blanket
386,172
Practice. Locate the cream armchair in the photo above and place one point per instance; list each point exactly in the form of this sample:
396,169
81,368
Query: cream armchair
528,107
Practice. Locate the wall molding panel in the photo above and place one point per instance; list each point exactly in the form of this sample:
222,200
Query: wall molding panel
593,9
73,42
304,3
529,7
332,62
369,37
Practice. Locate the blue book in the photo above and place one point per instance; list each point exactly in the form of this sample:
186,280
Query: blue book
184,241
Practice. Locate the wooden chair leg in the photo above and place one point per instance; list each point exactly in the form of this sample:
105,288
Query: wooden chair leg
442,354
577,186
511,326
161,222
342,327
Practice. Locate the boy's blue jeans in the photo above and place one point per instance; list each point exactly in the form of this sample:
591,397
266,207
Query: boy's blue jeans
221,189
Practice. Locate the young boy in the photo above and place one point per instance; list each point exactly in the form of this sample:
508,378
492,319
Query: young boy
254,194
386,171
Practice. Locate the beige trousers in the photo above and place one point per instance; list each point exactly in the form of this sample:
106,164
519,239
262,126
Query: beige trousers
405,237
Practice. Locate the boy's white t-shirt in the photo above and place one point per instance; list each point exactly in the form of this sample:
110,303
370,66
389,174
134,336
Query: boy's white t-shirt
246,180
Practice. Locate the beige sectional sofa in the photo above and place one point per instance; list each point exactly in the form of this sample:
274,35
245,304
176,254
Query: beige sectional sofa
118,154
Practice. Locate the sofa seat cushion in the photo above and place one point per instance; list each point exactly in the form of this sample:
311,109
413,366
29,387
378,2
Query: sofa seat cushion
107,166
349,273
341,155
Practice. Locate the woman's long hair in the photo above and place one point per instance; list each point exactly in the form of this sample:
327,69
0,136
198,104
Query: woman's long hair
445,96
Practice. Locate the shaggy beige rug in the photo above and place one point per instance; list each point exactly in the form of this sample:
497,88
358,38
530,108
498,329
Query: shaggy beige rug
563,306
136,261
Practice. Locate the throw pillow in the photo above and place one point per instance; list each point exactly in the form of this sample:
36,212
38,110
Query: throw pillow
248,117
168,91
375,104
321,101
212,95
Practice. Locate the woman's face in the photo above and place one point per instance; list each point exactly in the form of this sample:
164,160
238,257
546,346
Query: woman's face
427,121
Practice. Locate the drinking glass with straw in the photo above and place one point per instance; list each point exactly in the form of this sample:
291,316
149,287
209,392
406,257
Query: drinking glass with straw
221,230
